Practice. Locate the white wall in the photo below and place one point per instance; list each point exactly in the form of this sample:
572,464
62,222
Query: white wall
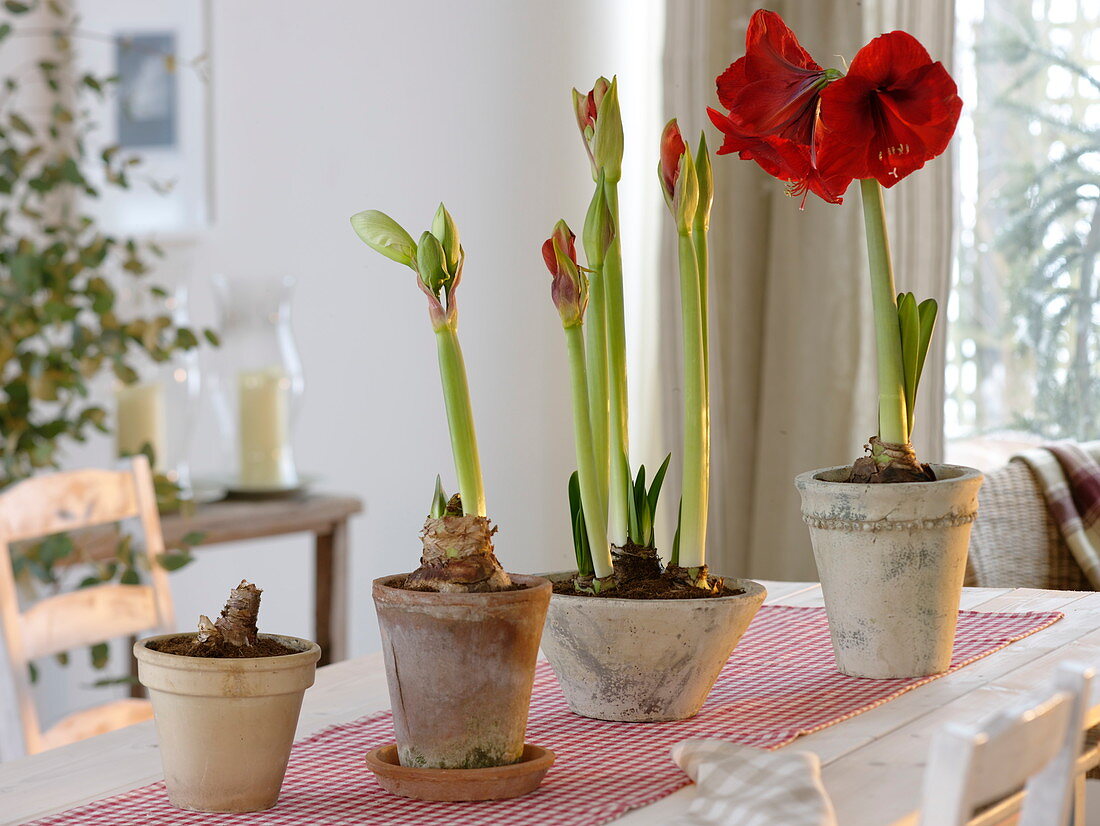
325,109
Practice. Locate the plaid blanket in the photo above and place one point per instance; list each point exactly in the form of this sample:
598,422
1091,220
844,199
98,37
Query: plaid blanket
1070,479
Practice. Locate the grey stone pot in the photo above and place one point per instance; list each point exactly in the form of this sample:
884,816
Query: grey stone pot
891,560
645,661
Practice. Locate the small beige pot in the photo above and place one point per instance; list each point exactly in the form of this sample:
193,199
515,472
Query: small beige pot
644,660
226,726
891,559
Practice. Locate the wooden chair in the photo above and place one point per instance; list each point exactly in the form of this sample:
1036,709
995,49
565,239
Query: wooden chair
1034,745
51,504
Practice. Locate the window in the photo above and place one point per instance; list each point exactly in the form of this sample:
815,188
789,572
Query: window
1023,346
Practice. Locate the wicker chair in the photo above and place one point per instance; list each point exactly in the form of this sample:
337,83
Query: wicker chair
1015,542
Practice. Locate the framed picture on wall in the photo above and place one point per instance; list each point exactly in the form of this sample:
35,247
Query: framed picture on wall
159,110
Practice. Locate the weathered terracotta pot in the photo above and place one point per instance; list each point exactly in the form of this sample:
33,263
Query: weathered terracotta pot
460,669
891,559
644,660
226,726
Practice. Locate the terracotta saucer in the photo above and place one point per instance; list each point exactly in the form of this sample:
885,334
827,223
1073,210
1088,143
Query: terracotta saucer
495,783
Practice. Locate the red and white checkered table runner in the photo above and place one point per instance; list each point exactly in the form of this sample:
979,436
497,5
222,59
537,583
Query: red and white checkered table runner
780,683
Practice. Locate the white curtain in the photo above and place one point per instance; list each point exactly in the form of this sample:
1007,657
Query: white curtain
792,358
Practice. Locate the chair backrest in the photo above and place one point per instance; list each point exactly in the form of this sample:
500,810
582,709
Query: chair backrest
1033,744
1015,542
54,503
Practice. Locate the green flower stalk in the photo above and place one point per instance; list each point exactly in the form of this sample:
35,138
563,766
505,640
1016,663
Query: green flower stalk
700,229
598,234
601,126
458,552
680,183
903,330
569,290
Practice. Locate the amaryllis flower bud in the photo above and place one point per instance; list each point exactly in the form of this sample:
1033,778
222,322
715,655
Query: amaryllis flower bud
445,231
678,179
601,126
569,288
435,280
599,227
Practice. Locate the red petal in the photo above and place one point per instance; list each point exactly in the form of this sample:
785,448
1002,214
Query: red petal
888,58
771,46
548,256
672,149
735,139
773,88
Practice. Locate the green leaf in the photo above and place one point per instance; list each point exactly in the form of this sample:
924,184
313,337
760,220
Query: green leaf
62,658
110,681
20,125
926,312
909,326
173,561
129,577
55,548
100,653
674,558
33,670
193,538
580,531
212,337
439,499
634,529
384,235
658,481
16,7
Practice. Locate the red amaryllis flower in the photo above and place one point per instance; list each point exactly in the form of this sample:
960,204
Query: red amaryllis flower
569,288
772,94
773,89
892,112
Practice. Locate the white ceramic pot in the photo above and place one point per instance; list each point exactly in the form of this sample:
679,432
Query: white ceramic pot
644,660
891,559
226,726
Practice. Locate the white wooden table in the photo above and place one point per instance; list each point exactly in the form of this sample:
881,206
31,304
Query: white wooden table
873,762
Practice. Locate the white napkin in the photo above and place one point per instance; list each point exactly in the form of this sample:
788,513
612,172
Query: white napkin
749,787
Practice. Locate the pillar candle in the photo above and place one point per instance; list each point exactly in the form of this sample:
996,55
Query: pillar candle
264,428
141,421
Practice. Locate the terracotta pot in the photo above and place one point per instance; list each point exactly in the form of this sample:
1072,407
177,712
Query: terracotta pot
891,559
493,783
644,660
226,726
460,669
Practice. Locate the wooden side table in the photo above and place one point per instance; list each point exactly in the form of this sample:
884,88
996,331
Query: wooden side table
231,520
323,515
